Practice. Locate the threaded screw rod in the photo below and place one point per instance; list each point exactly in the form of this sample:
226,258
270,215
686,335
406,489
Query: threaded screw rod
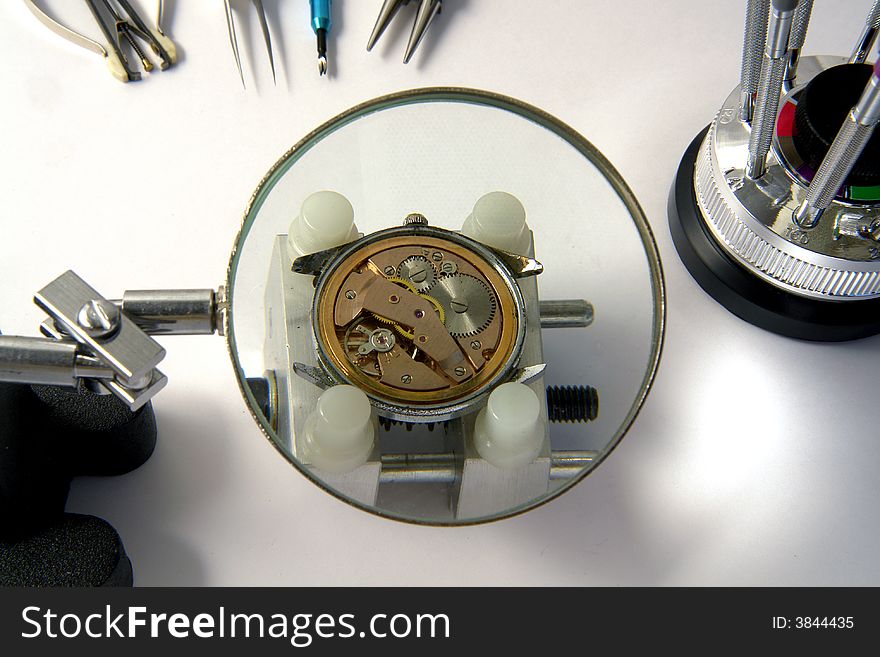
572,403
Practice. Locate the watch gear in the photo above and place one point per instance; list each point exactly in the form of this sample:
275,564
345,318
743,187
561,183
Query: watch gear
419,271
468,303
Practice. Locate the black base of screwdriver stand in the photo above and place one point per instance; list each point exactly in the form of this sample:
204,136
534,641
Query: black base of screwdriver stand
746,295
49,435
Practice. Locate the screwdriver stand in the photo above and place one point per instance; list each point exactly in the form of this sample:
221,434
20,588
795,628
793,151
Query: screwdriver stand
775,209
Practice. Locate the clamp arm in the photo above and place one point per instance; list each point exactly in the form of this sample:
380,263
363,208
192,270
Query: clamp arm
107,344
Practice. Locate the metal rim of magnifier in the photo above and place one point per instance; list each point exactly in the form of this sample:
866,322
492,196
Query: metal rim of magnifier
530,113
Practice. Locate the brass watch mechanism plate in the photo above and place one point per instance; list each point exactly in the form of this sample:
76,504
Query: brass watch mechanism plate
419,319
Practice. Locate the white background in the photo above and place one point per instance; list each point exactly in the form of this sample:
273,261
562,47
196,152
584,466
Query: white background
754,460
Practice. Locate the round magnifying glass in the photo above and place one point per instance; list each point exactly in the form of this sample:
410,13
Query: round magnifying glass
445,306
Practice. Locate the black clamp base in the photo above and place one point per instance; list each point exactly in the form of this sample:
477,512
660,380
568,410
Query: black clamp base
746,295
72,551
48,436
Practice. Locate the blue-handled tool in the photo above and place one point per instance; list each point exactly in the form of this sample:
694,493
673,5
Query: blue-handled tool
321,24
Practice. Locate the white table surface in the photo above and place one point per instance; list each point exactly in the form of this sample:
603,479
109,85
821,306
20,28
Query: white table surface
754,461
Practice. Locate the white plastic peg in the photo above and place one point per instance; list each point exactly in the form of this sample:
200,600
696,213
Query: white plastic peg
325,220
339,433
499,220
508,433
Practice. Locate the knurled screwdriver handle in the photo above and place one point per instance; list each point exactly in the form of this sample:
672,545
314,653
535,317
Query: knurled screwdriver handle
868,36
770,85
757,13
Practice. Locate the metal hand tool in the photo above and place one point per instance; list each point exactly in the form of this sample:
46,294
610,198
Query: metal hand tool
118,22
233,40
427,10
